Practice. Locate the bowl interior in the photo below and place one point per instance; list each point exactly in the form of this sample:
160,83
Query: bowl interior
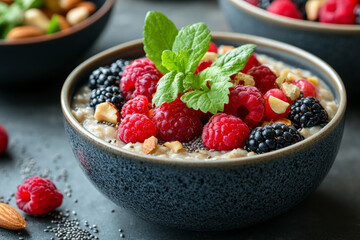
280,51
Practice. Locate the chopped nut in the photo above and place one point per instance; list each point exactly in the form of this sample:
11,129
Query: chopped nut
305,133
107,112
291,91
174,146
277,105
291,77
224,48
313,80
247,80
209,56
312,9
150,145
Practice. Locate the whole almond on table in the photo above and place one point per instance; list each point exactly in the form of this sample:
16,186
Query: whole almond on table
10,218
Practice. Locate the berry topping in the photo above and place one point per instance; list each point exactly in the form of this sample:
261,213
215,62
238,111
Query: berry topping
136,128
176,122
338,11
285,8
202,65
272,137
212,47
140,77
253,2
225,132
4,140
307,112
107,94
247,103
264,78
37,196
277,105
307,88
252,62
139,104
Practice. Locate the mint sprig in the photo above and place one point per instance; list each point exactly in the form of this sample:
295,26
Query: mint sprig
177,54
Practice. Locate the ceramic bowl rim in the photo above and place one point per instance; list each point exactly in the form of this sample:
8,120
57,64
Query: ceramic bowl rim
68,87
307,25
97,15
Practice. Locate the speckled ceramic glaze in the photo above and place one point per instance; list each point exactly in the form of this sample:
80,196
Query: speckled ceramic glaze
337,44
208,195
43,57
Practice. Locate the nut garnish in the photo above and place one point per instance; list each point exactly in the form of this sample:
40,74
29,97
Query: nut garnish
150,145
209,56
107,112
313,80
312,9
174,146
277,105
10,218
247,80
291,91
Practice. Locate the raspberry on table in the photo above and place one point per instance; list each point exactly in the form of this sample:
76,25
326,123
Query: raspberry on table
136,128
269,113
307,88
4,140
272,137
247,103
264,78
307,112
285,8
139,104
252,62
338,11
202,66
38,196
140,77
110,94
225,132
212,48
176,122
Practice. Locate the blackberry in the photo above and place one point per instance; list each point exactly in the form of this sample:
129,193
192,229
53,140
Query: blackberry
108,76
110,94
264,4
307,112
272,137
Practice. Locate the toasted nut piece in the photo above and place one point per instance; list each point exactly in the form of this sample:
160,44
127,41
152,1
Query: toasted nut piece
277,105
279,81
224,48
291,91
291,77
313,80
91,7
150,145
24,32
312,8
107,112
10,218
174,146
77,15
209,56
35,17
247,80
63,23
66,5
282,120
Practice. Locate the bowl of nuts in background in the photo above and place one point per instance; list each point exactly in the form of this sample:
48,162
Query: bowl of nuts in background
42,39
327,28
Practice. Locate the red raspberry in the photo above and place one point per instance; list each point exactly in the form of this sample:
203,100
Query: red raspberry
306,87
225,132
37,196
136,128
264,78
285,8
247,103
338,11
202,65
212,48
269,113
253,2
252,62
4,140
139,104
176,122
140,77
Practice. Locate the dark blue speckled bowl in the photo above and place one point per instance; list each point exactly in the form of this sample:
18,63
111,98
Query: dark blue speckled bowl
208,195
336,44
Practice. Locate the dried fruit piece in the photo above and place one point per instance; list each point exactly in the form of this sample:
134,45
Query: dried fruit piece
10,218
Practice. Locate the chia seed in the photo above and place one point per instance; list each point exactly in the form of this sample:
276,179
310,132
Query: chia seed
194,145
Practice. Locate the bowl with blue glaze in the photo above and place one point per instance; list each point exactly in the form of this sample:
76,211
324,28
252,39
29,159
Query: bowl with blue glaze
36,59
337,44
207,195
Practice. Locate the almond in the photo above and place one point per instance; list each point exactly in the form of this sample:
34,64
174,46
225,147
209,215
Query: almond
63,23
90,6
10,218
150,145
312,8
77,15
107,112
35,17
290,90
277,105
24,32
174,146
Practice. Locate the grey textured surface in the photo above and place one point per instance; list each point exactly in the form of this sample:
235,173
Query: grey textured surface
33,119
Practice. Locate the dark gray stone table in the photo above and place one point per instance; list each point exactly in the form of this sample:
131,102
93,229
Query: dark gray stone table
38,145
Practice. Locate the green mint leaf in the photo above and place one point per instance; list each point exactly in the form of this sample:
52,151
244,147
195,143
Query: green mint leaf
173,61
234,60
159,35
169,86
213,99
192,81
27,4
54,25
196,38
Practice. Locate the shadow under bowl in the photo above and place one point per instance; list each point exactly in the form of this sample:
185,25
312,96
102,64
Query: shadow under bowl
46,57
208,195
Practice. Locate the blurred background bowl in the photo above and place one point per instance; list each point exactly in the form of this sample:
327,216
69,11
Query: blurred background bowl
48,57
337,44
207,195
